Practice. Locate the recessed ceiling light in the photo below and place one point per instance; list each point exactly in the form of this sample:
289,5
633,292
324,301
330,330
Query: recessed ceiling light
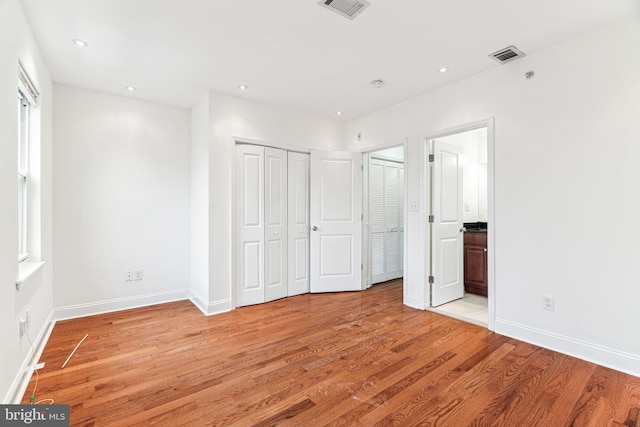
338,113
243,87
130,88
80,43
443,69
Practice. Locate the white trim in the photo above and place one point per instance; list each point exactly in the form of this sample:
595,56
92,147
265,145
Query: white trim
27,86
491,221
21,381
26,270
107,306
209,308
198,300
238,140
232,204
489,124
601,355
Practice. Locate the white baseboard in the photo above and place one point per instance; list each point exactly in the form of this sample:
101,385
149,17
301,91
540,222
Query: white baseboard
210,308
21,381
601,355
99,307
414,302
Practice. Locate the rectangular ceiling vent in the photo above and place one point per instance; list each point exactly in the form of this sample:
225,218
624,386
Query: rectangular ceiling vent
347,8
507,54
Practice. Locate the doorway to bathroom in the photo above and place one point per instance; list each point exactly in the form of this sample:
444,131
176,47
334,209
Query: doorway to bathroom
458,221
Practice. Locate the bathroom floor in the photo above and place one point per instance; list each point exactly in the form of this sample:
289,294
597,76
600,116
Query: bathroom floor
471,308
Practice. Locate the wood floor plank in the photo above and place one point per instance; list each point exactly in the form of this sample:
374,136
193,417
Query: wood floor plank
343,359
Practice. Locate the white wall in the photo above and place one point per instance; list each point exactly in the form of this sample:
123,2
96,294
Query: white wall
199,282
231,118
17,43
122,201
566,180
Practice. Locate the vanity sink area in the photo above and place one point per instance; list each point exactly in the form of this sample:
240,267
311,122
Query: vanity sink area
475,258
475,227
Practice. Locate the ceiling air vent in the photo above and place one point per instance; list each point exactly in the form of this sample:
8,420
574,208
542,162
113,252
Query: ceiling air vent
347,8
508,54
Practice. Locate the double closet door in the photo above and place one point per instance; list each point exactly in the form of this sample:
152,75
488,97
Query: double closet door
272,224
386,219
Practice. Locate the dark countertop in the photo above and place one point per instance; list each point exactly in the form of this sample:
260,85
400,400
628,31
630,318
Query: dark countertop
475,227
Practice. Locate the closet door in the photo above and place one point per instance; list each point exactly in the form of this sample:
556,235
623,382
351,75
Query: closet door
377,227
401,220
386,219
298,223
250,227
392,220
275,201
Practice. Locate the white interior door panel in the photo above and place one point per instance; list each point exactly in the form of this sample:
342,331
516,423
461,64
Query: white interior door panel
298,261
447,266
336,221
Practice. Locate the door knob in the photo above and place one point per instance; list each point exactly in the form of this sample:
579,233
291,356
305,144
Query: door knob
314,228
463,229
275,232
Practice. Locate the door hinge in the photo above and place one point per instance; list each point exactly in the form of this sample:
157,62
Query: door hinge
431,279
432,158
431,218
361,267
361,217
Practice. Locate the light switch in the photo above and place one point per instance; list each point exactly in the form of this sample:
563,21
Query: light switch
137,274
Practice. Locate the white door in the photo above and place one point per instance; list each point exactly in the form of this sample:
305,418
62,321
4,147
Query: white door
446,229
386,219
275,212
250,228
336,221
392,219
298,223
377,227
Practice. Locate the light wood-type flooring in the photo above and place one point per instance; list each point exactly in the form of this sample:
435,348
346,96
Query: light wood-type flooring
343,359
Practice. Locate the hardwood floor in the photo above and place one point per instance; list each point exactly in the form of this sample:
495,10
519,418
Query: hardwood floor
346,359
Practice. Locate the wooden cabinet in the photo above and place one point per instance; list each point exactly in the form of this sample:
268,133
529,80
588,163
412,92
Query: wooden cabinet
475,263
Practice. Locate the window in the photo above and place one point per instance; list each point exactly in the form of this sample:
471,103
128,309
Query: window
23,175
27,102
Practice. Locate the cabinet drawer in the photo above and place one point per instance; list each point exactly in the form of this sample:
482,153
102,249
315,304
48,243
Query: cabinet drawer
475,239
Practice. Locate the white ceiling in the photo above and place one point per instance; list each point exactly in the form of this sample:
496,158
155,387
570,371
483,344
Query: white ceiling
294,53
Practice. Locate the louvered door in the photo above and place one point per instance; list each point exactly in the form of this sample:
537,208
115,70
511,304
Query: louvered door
386,219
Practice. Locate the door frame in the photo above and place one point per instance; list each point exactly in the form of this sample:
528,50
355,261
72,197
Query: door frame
366,244
366,255
425,178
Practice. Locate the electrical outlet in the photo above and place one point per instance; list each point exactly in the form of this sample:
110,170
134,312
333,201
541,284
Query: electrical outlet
128,276
548,303
137,274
